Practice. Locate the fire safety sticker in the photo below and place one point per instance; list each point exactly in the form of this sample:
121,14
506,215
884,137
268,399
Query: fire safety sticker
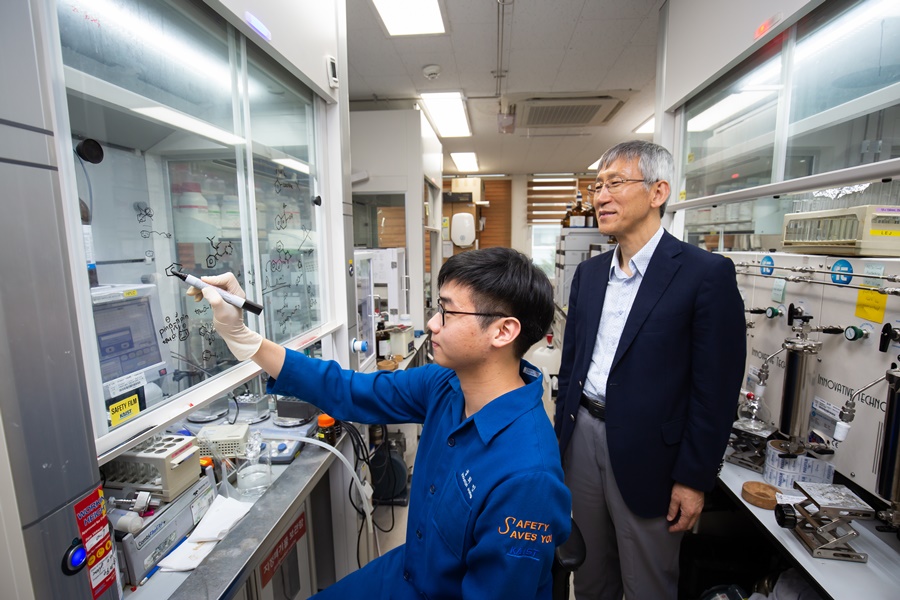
93,529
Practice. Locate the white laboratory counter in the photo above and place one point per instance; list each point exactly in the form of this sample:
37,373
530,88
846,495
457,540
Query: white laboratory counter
878,578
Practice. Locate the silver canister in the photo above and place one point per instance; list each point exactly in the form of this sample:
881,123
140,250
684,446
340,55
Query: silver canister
799,388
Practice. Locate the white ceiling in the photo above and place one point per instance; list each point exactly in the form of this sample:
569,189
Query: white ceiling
550,47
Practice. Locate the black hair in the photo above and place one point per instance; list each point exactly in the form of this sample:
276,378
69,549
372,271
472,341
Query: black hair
504,281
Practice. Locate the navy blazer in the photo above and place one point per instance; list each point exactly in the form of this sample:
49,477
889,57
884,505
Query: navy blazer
676,375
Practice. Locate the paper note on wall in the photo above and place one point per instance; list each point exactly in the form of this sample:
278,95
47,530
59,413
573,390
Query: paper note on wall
870,306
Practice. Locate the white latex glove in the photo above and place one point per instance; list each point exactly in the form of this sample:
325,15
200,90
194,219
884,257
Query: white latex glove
227,319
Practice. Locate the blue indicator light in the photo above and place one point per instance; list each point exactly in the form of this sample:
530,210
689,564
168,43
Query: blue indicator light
257,26
79,555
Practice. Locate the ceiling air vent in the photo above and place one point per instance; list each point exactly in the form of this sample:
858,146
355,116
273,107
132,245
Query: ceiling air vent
590,111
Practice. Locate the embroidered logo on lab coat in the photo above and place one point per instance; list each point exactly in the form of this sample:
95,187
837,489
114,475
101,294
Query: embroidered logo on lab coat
530,531
467,482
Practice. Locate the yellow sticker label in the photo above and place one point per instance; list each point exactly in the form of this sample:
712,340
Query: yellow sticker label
884,232
129,293
682,194
870,306
124,410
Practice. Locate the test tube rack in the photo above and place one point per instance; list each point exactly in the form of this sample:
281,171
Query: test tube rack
164,465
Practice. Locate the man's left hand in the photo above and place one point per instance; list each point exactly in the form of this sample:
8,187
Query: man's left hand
684,508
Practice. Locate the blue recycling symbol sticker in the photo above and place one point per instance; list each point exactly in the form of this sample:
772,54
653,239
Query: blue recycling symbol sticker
837,272
766,265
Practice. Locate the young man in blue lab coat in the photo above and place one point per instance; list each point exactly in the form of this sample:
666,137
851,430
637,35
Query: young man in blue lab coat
488,505
652,362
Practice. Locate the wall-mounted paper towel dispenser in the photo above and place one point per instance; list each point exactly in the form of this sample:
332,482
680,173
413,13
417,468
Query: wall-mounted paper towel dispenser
462,229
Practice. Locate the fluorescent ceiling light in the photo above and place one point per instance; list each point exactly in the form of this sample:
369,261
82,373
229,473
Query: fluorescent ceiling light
552,187
647,127
848,24
727,107
594,165
553,180
493,175
292,163
410,17
466,162
182,121
554,175
448,113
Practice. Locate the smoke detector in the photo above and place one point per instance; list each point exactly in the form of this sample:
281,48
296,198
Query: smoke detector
431,72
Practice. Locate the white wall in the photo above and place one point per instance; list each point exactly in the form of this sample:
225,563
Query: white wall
706,38
521,230
432,154
303,35
380,145
395,149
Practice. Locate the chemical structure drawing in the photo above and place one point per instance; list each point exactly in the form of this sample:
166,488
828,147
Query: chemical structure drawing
146,233
144,213
284,258
220,249
175,328
208,334
283,218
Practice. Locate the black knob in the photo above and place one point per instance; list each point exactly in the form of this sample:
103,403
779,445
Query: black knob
785,516
833,330
317,201
795,313
888,334
756,311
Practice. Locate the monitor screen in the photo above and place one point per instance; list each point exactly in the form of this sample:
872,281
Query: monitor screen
127,339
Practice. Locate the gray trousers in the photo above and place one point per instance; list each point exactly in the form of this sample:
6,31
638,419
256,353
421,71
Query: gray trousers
626,554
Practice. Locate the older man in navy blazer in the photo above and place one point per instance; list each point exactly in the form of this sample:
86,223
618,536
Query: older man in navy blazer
653,357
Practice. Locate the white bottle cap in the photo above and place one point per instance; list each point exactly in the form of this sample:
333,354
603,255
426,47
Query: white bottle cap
841,429
126,521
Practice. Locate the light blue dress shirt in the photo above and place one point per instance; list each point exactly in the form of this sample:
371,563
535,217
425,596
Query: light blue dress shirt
620,294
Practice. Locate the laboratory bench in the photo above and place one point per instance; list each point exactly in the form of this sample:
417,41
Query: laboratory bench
877,578
235,563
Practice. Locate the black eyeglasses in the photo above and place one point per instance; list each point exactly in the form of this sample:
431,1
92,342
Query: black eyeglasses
612,186
444,312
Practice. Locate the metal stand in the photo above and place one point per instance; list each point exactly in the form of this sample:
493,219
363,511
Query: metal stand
827,512
749,447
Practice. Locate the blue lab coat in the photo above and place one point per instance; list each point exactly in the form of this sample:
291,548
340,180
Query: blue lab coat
487,506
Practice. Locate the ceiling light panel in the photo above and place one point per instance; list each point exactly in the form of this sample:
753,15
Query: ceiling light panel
410,17
466,162
448,113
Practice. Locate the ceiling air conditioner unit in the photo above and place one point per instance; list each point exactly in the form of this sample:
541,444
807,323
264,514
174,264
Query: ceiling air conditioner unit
588,111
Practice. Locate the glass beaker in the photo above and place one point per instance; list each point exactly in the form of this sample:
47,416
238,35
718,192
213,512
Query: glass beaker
254,475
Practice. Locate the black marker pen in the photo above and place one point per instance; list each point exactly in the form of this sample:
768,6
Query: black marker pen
231,299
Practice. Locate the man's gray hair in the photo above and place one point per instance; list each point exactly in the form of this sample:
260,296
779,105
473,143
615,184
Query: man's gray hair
654,161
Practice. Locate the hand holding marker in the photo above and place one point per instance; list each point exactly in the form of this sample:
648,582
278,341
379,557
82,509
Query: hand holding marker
231,299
